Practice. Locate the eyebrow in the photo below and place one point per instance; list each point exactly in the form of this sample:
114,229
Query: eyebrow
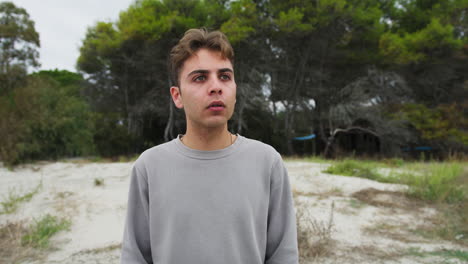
225,70
207,71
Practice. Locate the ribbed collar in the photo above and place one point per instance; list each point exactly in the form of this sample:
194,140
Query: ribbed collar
208,155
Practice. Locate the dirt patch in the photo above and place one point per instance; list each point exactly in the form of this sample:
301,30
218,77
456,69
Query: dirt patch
391,199
375,254
321,195
399,232
104,255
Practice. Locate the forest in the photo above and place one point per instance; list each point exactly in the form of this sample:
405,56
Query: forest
374,78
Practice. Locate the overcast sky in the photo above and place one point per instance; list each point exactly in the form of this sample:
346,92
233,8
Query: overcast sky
62,26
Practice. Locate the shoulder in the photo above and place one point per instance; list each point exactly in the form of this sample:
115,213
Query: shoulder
260,150
258,145
155,155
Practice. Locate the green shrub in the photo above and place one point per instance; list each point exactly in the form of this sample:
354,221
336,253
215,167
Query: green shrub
98,182
44,120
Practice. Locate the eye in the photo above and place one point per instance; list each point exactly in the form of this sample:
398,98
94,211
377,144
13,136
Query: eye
200,78
225,77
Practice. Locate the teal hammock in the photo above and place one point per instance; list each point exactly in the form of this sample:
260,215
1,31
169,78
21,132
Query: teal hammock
305,137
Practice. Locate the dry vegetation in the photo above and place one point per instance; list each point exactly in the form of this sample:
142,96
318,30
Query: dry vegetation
314,235
12,249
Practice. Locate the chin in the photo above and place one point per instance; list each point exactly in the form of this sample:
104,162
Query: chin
211,122
215,124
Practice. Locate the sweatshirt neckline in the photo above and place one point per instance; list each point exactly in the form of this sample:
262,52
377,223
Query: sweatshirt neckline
207,154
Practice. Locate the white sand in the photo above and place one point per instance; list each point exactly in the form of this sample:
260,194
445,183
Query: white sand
97,213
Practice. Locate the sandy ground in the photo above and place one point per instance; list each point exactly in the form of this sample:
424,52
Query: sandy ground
370,219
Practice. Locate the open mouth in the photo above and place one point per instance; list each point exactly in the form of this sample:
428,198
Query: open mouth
216,106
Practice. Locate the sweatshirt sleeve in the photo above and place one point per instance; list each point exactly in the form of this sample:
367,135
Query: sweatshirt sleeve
282,232
136,241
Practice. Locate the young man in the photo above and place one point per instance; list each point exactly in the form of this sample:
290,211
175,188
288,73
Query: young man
209,197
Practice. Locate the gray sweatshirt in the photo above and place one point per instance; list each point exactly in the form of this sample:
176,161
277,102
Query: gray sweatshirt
230,206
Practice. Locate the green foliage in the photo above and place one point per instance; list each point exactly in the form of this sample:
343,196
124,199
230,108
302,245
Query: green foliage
43,229
63,127
140,21
451,254
395,48
42,115
437,182
447,254
63,77
394,162
436,38
444,122
424,30
432,182
17,29
292,21
44,120
111,136
13,200
19,42
342,54
355,168
242,22
100,41
434,41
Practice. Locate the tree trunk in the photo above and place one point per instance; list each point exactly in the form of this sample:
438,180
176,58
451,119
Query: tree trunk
328,147
288,128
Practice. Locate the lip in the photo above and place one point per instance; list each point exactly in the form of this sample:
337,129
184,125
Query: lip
216,106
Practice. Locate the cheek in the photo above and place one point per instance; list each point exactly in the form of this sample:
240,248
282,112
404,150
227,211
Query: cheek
234,93
193,103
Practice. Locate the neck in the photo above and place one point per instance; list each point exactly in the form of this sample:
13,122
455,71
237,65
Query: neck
208,138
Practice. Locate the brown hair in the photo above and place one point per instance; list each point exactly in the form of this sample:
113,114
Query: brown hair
191,42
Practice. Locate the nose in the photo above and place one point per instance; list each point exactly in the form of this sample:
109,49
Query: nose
215,86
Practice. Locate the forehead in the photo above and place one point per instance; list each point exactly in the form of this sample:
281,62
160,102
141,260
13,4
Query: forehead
205,59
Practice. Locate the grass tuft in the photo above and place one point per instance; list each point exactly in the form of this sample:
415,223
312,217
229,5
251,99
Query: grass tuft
445,253
394,162
11,250
42,230
98,182
11,203
458,254
439,182
314,236
355,168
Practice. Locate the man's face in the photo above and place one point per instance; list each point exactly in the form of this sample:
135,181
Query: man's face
207,90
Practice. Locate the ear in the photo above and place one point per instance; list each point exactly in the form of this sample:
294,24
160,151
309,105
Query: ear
177,97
